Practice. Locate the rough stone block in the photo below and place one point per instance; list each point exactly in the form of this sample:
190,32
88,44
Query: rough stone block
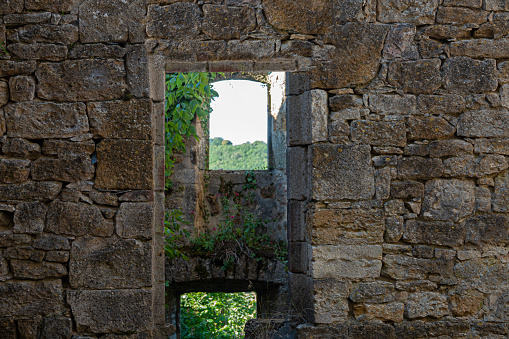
481,48
400,42
121,119
488,230
470,75
498,146
394,226
392,104
22,269
330,300
56,327
460,15
496,5
250,50
10,68
347,226
137,71
376,292
419,168
67,149
447,148
300,16
379,133
407,189
449,104
57,256
14,171
46,120
22,88
383,177
417,77
484,124
111,311
342,172
45,33
89,51
124,164
135,220
493,30
345,101
103,21
4,99
380,312
504,96
98,263
448,200
423,304
55,6
176,21
42,191
501,194
403,267
27,18
29,218
29,298
23,253
225,22
434,233
50,242
17,147
355,59
71,169
503,72
463,3
81,80
75,220
347,261
429,128
9,7
419,12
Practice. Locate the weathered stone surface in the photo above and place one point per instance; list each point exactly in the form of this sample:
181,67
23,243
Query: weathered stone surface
400,42
466,74
460,15
345,101
124,164
449,104
447,148
121,119
45,33
38,51
503,72
27,18
88,51
418,12
486,230
135,220
373,292
379,312
75,220
27,298
56,6
103,198
29,218
485,274
46,120
103,21
356,58
110,263
434,233
347,261
23,252
138,83
111,311
57,326
300,16
417,77
42,191
50,242
14,171
443,32
484,124
497,146
501,194
420,305
137,196
342,172
67,149
4,99
481,48
9,7
379,133
81,80
392,104
383,177
394,226
247,50
448,200
22,269
7,239
403,267
225,22
57,256
355,226
465,302
22,88
419,168
463,3
496,5
429,128
70,169
330,300
175,21
10,68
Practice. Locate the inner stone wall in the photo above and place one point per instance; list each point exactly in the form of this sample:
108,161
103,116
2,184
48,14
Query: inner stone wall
398,137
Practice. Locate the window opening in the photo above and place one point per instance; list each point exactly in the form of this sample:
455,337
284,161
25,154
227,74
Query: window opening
215,315
238,126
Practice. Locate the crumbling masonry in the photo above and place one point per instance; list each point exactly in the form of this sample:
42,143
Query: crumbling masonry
397,144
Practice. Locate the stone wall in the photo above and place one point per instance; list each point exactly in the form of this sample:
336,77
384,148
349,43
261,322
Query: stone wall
398,129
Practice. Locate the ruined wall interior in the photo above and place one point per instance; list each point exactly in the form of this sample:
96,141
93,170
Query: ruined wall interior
398,180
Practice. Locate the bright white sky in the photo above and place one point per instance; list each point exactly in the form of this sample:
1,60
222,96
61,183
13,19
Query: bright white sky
239,114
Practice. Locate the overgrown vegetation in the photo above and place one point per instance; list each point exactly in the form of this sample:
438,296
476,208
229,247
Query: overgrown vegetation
215,315
224,155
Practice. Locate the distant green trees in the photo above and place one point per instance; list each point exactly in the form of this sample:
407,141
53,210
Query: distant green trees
248,156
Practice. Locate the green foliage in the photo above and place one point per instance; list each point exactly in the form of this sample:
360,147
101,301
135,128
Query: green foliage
175,234
215,315
188,96
2,48
248,156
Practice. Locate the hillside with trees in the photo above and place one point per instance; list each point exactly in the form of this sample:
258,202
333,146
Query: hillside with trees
247,156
